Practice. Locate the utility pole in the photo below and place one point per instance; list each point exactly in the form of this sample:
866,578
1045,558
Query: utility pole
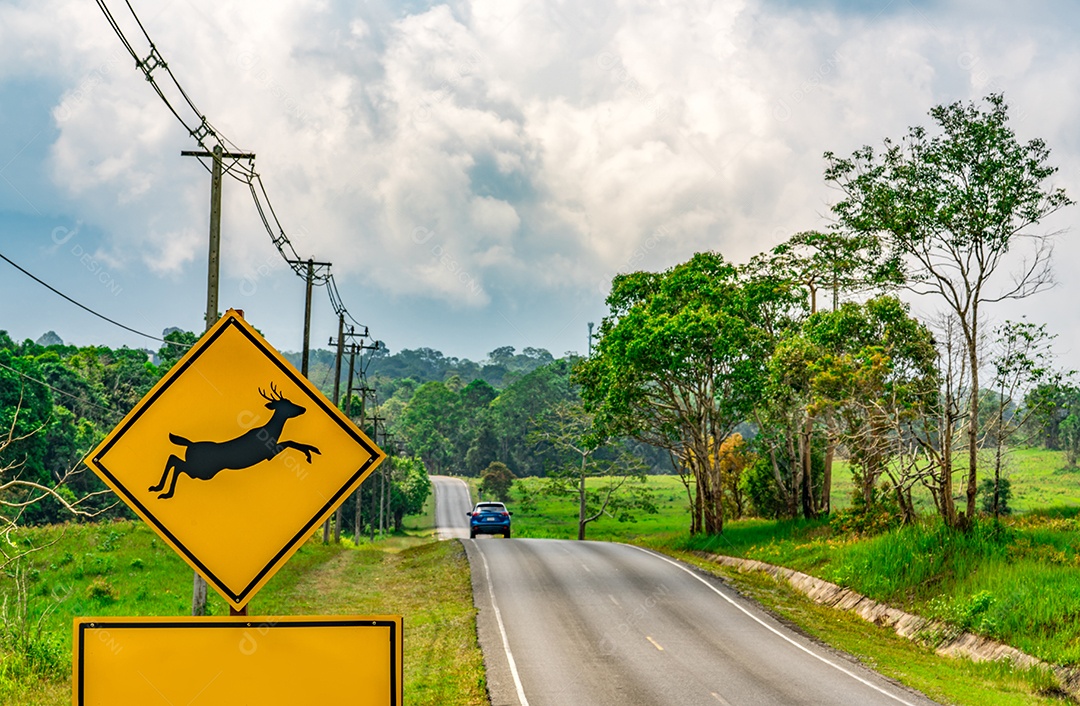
590,339
337,400
385,501
358,519
198,586
375,496
312,268
340,343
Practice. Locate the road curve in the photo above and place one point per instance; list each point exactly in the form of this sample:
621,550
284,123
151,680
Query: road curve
566,622
452,501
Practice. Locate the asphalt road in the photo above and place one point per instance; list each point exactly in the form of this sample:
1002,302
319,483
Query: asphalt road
451,503
568,623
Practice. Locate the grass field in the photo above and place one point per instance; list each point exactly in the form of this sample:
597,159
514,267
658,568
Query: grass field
1040,479
123,569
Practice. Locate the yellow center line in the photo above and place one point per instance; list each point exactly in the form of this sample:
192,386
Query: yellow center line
654,643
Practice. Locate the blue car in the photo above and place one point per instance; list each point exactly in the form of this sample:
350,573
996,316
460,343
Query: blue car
489,518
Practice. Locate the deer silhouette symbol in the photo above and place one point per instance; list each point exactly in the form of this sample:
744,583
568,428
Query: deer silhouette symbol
205,459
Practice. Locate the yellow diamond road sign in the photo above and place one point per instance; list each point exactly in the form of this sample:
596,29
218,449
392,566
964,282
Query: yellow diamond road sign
234,458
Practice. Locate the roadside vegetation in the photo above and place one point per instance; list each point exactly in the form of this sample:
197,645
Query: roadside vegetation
122,568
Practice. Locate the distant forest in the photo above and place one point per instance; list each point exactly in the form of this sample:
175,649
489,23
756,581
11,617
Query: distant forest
456,415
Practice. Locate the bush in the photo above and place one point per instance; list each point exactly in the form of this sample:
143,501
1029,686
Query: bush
102,591
496,480
1004,494
30,652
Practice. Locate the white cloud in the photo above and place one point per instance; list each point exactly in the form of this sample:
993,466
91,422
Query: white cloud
543,145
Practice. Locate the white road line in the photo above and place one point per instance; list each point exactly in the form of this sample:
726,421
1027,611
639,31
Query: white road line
773,630
502,631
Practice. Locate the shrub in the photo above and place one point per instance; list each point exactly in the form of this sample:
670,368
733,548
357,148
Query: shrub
497,480
1004,494
31,651
102,591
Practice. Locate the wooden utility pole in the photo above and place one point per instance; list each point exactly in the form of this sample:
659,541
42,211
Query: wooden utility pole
311,271
358,523
198,588
353,348
337,400
384,501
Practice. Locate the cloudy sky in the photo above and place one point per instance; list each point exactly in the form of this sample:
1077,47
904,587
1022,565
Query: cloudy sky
476,171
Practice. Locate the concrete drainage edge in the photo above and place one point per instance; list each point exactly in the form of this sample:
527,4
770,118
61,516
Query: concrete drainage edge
946,640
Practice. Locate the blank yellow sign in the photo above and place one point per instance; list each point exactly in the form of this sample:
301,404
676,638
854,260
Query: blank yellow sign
235,661
234,458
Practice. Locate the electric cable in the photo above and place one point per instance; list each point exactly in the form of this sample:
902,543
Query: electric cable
56,291
31,378
205,132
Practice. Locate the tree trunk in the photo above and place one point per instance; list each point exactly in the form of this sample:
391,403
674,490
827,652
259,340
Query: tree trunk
948,509
825,507
581,502
807,469
973,425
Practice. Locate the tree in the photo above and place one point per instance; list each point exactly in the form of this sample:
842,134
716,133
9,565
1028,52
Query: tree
483,450
877,372
1070,435
1050,405
1020,362
954,206
410,486
496,480
515,411
679,363
734,458
834,261
431,426
176,344
812,261
570,429
22,493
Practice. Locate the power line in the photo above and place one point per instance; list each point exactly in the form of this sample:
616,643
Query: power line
31,378
204,132
86,308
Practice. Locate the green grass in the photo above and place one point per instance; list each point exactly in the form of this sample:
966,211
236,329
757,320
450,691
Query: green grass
1040,479
122,569
948,681
556,517
1017,582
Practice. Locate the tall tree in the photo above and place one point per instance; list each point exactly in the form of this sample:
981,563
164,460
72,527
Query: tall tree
1021,361
679,362
833,261
570,430
954,205
876,370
